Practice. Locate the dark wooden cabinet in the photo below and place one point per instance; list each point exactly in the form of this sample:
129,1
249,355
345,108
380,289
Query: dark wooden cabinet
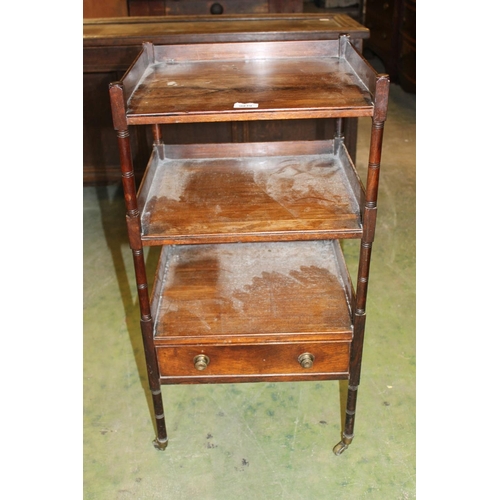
352,8
392,25
382,19
111,45
214,7
251,283
407,54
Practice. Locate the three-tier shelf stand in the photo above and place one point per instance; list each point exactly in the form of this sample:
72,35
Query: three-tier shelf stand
251,283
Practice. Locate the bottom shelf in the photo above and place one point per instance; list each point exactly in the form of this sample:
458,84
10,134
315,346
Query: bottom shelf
252,309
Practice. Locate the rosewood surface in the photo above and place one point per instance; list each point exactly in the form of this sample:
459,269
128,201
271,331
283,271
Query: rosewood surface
253,191
267,298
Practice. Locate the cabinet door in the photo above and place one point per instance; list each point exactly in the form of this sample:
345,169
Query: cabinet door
381,18
407,60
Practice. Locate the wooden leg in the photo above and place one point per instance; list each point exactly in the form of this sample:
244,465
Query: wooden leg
348,431
161,441
359,317
134,235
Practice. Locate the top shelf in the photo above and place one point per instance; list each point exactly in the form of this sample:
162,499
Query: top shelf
247,81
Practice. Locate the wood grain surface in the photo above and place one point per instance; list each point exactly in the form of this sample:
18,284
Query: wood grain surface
251,292
269,191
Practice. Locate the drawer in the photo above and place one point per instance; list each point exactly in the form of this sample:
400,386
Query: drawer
253,362
211,7
201,7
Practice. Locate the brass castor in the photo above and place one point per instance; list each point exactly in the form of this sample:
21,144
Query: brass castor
343,445
339,448
160,445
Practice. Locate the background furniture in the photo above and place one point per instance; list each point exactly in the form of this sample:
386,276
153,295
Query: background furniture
105,8
214,7
392,25
119,8
110,46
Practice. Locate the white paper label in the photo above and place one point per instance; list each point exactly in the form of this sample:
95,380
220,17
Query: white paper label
245,105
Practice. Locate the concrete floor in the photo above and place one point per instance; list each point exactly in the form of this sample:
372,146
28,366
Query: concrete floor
255,441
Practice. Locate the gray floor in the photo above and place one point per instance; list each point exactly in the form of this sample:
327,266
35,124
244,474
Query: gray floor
255,441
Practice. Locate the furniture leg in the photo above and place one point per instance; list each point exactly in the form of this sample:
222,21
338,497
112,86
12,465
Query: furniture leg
134,231
369,222
348,431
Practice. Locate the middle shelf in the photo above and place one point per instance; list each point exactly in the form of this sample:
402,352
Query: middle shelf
237,192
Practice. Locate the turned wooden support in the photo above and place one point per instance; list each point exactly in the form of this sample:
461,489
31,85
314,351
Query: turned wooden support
369,217
134,233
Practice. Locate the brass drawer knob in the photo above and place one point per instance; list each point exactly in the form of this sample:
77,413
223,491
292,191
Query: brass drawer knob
306,360
201,362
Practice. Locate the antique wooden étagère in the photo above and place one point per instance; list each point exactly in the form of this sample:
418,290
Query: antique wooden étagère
251,283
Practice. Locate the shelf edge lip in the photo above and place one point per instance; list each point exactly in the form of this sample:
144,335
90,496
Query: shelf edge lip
288,236
341,336
230,115
220,379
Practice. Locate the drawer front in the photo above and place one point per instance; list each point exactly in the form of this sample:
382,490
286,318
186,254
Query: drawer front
201,7
214,7
257,361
